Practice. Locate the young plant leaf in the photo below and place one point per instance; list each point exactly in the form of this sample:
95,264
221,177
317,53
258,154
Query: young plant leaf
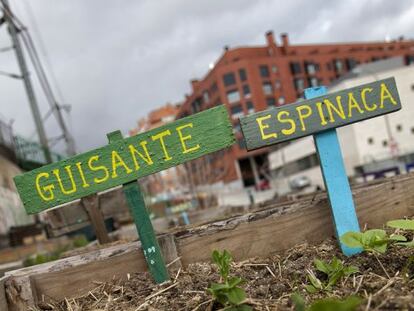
236,295
298,302
404,224
349,304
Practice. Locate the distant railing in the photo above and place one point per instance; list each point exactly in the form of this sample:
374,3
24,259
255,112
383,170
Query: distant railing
6,135
29,154
33,152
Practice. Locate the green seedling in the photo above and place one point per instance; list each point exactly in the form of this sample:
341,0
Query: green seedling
334,271
373,241
403,224
227,293
348,304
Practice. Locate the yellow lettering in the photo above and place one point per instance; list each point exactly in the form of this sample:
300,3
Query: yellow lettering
352,103
292,123
385,94
82,175
303,116
262,127
98,168
160,136
56,172
187,137
134,151
321,115
117,161
338,110
45,192
364,99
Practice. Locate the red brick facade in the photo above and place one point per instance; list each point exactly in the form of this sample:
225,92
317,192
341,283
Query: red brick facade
248,79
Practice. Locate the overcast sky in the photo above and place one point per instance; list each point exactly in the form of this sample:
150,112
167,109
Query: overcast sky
114,61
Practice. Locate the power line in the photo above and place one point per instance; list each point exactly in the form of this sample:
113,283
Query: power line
43,49
44,83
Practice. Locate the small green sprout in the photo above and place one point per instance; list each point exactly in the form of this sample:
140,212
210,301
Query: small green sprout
403,224
334,270
372,241
348,304
227,293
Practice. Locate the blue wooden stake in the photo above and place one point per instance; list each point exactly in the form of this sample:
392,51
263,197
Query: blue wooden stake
185,218
335,179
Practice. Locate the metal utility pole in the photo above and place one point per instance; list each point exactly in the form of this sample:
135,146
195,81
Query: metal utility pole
27,82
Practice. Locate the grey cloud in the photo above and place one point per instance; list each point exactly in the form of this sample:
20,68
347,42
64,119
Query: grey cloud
115,61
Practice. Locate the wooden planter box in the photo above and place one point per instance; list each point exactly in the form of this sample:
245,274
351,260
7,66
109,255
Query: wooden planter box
248,235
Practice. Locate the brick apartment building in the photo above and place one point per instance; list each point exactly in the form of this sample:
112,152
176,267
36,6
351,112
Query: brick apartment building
165,182
249,79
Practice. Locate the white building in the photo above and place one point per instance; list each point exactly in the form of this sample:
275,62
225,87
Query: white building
371,148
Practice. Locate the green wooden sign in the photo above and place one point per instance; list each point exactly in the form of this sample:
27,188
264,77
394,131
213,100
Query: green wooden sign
318,114
125,160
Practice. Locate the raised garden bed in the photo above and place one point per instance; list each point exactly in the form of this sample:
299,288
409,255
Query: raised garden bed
270,283
263,233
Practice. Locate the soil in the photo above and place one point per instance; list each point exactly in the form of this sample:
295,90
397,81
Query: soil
270,283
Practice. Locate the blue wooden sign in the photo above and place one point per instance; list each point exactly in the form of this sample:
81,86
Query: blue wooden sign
319,115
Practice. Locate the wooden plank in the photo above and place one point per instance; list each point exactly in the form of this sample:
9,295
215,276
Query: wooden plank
126,160
91,204
329,111
256,234
22,252
281,227
3,300
73,276
335,179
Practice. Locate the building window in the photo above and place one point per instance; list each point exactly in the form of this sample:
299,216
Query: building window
236,111
278,85
246,90
250,107
384,143
295,68
264,71
270,102
338,65
311,68
196,105
267,88
299,84
213,88
301,164
409,59
370,141
351,63
399,127
412,130
233,96
242,74
206,97
412,87
313,82
281,100
229,79
274,68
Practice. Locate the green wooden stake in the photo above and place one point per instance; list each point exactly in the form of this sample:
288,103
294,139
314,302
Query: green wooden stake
149,243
